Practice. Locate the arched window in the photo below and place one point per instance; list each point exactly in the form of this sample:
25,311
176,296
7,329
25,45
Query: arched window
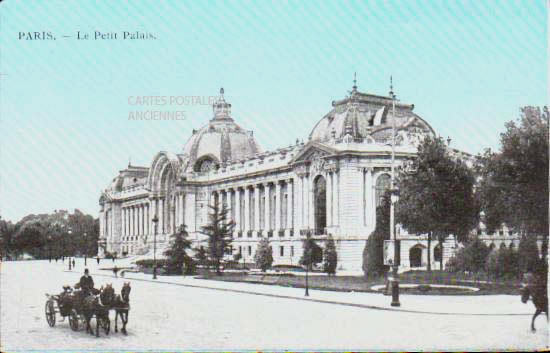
205,164
320,201
383,183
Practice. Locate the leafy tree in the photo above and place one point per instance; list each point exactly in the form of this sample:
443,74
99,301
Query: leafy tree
373,254
528,255
177,252
514,181
330,257
7,231
508,261
475,253
264,255
313,254
438,198
219,231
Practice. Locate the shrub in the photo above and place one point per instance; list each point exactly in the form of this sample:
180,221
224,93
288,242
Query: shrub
330,257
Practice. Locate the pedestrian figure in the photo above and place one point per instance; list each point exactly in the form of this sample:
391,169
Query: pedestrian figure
73,263
115,271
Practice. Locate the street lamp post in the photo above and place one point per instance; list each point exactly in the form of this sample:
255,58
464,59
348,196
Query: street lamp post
155,221
395,276
309,250
70,232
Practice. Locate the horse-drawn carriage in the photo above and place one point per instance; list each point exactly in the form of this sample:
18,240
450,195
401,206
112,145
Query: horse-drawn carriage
80,307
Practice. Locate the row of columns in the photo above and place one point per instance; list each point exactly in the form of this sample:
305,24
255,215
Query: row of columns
136,220
247,201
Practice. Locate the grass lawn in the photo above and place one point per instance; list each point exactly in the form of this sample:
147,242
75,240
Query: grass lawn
360,284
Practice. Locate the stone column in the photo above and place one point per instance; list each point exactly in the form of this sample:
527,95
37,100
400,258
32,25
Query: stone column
277,206
138,221
267,210
246,209
329,199
131,220
183,206
257,207
237,209
290,204
369,199
190,212
161,216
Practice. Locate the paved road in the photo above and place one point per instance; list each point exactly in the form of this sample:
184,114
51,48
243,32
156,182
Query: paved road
169,317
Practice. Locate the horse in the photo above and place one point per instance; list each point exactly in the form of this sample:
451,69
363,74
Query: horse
122,306
536,289
98,306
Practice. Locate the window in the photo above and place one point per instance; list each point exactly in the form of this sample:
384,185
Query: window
501,232
249,250
282,250
292,251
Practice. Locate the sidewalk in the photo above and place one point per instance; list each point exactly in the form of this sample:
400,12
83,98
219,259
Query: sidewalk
493,305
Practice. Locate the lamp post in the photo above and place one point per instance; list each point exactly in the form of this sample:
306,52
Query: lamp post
70,232
155,221
394,279
309,250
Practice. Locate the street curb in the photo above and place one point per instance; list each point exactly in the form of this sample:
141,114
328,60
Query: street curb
363,306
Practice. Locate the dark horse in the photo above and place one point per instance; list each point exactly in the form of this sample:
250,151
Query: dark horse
99,306
535,287
122,306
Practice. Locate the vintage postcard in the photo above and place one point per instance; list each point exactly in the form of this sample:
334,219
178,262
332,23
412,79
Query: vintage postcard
274,176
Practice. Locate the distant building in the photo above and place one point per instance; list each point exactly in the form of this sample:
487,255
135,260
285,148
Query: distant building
330,185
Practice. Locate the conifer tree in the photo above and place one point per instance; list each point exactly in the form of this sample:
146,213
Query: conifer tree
330,257
264,255
220,234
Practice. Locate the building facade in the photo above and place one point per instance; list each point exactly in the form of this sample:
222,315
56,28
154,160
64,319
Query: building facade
330,185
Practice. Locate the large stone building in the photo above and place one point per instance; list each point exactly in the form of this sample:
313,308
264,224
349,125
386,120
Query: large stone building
329,185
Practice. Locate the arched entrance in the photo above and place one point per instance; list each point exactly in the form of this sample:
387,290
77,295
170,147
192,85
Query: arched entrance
320,203
415,256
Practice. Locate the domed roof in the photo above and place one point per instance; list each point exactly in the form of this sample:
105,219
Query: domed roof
367,115
219,141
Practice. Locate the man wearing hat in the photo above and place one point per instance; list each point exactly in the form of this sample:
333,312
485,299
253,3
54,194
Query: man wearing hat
86,283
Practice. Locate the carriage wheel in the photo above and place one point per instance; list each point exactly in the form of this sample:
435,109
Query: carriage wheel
105,323
50,313
73,320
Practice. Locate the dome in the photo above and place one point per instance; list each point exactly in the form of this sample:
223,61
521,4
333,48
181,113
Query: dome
367,116
219,141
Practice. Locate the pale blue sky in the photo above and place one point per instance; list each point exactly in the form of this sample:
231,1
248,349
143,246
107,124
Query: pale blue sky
466,65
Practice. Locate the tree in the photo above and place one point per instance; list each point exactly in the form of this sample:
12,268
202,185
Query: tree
313,254
514,181
7,231
177,252
438,198
200,256
475,255
373,254
528,255
330,257
264,255
220,232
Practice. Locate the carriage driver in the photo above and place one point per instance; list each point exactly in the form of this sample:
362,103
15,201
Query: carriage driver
86,283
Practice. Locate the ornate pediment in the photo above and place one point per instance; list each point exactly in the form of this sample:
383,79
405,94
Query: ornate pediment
313,153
